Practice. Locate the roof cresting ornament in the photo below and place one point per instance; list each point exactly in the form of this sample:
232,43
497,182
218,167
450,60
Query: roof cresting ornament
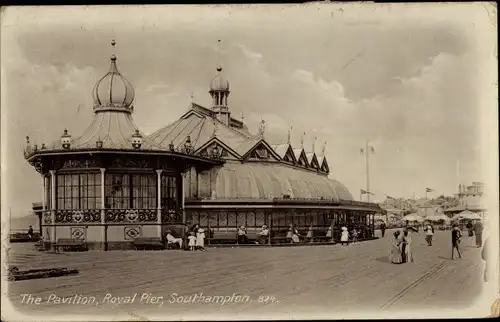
262,128
289,139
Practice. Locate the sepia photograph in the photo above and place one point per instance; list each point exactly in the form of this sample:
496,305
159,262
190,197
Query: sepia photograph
249,162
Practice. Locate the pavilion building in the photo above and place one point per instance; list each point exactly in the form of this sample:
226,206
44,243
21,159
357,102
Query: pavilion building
113,183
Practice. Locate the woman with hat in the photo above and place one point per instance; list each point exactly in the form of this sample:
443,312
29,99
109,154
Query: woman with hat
395,255
263,235
200,239
242,235
344,237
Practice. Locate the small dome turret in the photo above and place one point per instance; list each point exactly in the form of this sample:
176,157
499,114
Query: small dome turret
219,82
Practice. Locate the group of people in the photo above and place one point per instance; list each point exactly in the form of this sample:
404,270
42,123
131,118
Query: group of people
401,247
476,229
194,239
345,235
262,238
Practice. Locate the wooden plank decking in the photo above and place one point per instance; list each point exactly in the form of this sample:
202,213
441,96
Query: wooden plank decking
307,282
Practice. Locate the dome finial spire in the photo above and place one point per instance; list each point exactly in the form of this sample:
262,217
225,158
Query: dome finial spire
113,44
219,66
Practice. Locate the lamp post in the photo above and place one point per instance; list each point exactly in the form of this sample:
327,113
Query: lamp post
367,151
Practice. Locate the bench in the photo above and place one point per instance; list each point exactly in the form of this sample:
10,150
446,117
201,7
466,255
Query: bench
223,237
68,244
143,243
231,237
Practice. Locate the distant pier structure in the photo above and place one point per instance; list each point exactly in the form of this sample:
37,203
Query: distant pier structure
112,183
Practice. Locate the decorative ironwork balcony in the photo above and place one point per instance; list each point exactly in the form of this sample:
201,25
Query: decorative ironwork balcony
171,216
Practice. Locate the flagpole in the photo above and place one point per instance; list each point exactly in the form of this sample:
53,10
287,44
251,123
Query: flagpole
367,152
426,201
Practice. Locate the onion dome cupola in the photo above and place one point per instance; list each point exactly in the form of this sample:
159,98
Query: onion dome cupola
219,83
113,91
219,90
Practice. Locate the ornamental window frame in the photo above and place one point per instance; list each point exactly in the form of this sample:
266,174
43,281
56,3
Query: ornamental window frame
75,191
130,190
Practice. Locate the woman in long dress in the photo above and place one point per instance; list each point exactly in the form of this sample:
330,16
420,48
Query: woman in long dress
395,253
200,239
407,248
289,233
295,235
344,237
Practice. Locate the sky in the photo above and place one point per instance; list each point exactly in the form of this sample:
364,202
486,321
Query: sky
409,79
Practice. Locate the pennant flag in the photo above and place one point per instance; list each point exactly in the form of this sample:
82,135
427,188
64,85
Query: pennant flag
389,197
429,190
372,150
364,192
361,151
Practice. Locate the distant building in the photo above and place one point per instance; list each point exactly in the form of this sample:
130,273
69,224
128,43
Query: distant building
470,197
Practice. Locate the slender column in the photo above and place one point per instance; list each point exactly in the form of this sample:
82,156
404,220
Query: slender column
270,226
103,210
197,190
158,203
44,194
44,202
183,196
53,206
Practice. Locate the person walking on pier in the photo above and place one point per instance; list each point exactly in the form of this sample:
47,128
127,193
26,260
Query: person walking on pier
395,253
455,241
429,233
382,229
478,229
470,228
406,249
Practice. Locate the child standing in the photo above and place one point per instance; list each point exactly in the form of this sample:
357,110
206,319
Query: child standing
200,239
192,240
354,236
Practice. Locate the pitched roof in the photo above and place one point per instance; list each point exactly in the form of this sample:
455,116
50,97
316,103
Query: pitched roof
297,153
280,149
200,125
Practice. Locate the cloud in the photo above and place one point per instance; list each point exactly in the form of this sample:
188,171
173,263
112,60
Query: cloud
157,87
254,57
412,91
